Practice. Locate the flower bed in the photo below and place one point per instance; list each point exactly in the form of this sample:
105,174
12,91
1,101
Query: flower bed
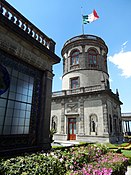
84,160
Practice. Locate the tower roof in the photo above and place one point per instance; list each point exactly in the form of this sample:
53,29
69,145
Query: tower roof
85,40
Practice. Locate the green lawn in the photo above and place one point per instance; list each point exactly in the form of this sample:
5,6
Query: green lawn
126,153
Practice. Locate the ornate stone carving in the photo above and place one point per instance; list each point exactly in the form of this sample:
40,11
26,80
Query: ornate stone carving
72,108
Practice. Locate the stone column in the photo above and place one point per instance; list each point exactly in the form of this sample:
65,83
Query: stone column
81,129
62,117
105,120
45,110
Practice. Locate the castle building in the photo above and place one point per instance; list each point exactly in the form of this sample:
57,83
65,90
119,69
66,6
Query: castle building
86,109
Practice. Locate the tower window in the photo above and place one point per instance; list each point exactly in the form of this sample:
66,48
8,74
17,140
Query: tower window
74,83
92,58
74,58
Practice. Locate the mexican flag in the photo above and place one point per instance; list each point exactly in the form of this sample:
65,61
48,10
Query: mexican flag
90,18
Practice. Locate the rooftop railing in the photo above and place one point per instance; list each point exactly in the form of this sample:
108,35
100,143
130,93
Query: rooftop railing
77,91
126,114
24,24
90,37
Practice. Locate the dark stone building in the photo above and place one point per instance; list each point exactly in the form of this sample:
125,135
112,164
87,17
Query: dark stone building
26,59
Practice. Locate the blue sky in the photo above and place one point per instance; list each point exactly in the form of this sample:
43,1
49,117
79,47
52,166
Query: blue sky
62,20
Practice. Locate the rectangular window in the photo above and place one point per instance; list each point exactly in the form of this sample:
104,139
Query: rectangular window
74,83
15,104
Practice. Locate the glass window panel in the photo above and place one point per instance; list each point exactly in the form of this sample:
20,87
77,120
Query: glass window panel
27,114
25,84
26,130
23,106
70,126
14,130
2,111
9,112
24,98
8,120
12,95
2,102
19,89
18,97
74,128
27,122
31,87
22,114
16,112
13,84
20,83
21,121
15,121
25,91
1,119
17,105
20,130
28,107
30,93
7,129
10,104
29,99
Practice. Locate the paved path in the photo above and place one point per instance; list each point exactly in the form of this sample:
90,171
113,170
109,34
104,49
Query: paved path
64,143
128,171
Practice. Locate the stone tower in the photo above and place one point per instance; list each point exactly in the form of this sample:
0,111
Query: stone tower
86,109
85,63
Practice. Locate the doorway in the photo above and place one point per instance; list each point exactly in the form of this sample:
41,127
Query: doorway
71,128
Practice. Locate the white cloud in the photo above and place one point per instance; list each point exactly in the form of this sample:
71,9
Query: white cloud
123,61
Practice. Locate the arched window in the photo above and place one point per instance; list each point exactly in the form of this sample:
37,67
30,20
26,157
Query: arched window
74,58
92,58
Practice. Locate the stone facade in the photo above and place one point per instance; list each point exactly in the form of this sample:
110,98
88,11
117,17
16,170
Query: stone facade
86,109
126,122
26,57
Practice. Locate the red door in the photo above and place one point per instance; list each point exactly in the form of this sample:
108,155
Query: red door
72,129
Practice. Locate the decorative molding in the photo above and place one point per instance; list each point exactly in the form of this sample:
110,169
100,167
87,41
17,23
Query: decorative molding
23,51
71,108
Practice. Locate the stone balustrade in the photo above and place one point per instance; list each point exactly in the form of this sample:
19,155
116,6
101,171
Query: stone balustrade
18,19
89,37
77,91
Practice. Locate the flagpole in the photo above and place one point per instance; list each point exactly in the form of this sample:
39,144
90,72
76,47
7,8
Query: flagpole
82,22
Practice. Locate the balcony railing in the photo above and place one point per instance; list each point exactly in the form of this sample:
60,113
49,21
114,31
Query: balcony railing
126,114
77,91
24,24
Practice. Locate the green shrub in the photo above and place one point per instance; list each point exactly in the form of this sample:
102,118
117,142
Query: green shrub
35,164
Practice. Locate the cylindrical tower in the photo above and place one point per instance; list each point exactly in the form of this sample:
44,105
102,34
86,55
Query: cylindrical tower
85,63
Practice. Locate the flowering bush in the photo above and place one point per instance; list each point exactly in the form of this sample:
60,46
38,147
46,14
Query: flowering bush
75,157
83,160
110,163
32,165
